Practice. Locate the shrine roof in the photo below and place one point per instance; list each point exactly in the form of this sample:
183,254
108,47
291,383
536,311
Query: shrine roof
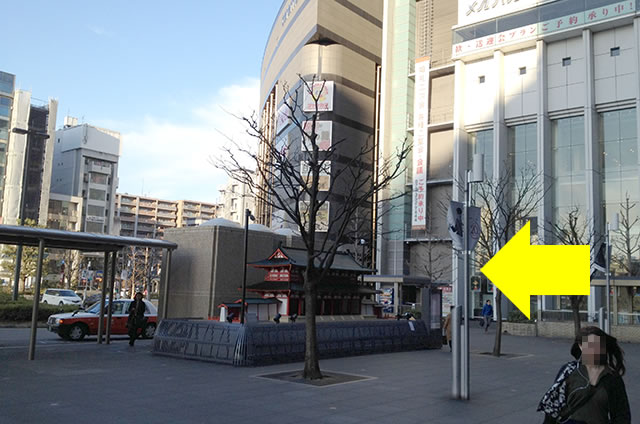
298,257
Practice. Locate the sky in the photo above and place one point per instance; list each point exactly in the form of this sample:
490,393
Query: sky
166,75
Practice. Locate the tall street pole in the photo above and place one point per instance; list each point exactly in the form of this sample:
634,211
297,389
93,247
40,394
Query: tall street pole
247,216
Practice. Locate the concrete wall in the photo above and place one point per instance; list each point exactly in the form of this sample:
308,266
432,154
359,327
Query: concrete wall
564,330
206,269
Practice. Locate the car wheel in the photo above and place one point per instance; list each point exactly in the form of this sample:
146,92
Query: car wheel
148,331
77,332
45,302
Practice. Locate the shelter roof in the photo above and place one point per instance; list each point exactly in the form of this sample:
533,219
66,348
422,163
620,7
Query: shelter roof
87,242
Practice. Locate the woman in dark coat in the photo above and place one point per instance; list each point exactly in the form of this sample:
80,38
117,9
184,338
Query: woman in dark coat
136,317
589,390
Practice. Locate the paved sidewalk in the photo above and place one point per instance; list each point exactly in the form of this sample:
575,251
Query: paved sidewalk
84,382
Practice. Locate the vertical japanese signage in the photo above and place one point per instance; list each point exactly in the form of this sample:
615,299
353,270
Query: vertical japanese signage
320,91
420,134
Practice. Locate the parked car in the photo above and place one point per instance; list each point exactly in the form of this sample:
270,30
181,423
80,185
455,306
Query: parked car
76,325
60,297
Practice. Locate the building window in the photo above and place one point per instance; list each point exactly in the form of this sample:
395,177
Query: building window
566,61
98,178
568,192
615,51
523,70
97,194
93,227
482,143
618,146
481,79
95,210
523,158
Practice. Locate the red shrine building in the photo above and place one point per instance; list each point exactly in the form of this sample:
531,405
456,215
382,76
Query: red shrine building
282,292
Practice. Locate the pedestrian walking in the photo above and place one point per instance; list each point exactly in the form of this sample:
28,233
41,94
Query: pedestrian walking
487,314
136,317
589,390
447,327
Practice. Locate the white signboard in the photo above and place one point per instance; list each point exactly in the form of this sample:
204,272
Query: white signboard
322,217
420,122
568,22
282,118
323,93
472,11
323,135
324,178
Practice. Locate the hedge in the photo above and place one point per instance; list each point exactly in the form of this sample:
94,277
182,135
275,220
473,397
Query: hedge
21,311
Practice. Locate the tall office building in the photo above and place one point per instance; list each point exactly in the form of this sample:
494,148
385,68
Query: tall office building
553,87
417,105
338,42
85,164
34,120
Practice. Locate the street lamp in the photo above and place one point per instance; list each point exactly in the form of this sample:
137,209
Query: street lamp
611,226
247,217
23,195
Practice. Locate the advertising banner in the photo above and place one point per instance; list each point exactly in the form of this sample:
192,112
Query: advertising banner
323,134
324,179
420,134
322,218
282,118
323,92
472,11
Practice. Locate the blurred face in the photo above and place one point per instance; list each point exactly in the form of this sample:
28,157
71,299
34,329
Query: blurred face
488,302
138,296
593,350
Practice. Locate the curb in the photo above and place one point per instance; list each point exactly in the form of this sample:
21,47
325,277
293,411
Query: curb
20,325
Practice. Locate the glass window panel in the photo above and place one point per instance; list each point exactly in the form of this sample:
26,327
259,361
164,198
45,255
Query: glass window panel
628,123
611,156
97,194
562,162
609,126
577,158
629,153
95,210
518,20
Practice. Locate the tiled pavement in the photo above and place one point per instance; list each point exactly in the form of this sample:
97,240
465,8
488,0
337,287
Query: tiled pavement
84,382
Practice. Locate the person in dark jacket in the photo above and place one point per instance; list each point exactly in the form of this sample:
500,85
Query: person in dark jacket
589,390
487,314
136,317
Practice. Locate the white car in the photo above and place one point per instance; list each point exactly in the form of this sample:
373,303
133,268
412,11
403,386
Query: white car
61,297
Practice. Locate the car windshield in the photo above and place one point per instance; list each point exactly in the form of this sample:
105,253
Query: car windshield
66,293
95,308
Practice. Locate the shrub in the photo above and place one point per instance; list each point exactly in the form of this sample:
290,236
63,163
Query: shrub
517,316
22,309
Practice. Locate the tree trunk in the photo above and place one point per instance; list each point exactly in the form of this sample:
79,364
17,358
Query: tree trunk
311,363
497,346
575,307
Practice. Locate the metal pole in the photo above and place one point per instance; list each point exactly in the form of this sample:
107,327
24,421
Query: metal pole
464,375
102,298
20,220
244,264
111,289
36,302
607,325
455,347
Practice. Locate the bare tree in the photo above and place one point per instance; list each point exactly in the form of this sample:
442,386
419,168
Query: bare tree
29,261
292,181
627,244
507,202
572,230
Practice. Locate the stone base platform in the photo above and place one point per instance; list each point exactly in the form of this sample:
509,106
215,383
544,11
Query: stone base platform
257,344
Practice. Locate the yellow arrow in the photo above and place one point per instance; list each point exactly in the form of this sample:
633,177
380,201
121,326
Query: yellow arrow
521,270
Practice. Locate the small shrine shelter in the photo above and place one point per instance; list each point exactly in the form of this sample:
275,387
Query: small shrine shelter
342,292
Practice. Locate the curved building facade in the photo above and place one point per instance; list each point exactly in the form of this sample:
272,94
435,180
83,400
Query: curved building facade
337,41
